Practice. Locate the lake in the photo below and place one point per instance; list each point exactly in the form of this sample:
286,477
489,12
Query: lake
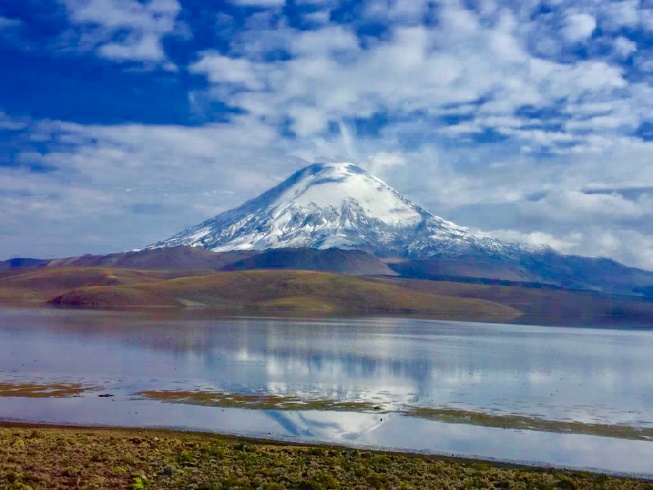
594,376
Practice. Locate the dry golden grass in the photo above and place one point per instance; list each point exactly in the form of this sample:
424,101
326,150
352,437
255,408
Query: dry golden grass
35,287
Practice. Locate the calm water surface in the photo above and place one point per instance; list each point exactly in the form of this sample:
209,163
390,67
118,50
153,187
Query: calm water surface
589,375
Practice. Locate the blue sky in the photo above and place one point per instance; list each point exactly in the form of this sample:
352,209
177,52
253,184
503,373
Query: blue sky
124,121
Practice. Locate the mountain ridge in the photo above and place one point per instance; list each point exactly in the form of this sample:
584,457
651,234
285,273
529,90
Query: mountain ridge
340,205
185,258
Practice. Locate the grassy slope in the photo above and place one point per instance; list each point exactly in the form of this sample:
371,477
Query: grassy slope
31,287
318,292
274,289
58,458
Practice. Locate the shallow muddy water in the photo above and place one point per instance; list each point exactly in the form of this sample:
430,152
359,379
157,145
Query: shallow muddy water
588,375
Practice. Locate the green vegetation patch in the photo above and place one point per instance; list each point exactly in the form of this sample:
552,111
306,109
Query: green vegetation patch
529,423
253,401
45,390
296,303
442,414
63,458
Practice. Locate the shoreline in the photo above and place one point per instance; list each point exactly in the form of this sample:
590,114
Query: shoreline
284,313
178,456
210,313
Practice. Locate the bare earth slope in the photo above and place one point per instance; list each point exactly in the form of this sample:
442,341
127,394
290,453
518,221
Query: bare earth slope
353,262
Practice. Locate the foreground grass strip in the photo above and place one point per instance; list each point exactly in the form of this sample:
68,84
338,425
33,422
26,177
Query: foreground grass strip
252,401
529,423
42,390
58,458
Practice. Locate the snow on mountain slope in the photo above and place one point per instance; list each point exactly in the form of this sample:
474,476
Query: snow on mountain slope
337,205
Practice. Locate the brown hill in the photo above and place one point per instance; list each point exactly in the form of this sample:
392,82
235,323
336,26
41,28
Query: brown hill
456,268
173,258
321,293
34,287
284,290
354,262
22,263
547,305
543,267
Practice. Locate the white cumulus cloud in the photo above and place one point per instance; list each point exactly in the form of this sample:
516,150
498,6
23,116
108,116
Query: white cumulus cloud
143,24
624,47
578,27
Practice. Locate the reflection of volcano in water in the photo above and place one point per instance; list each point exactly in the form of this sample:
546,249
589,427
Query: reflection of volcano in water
547,372
316,361
328,425
329,358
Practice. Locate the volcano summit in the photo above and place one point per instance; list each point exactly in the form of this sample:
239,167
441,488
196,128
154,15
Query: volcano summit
337,205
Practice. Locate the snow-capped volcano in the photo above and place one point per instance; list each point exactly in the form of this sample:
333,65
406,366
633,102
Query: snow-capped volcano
336,205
